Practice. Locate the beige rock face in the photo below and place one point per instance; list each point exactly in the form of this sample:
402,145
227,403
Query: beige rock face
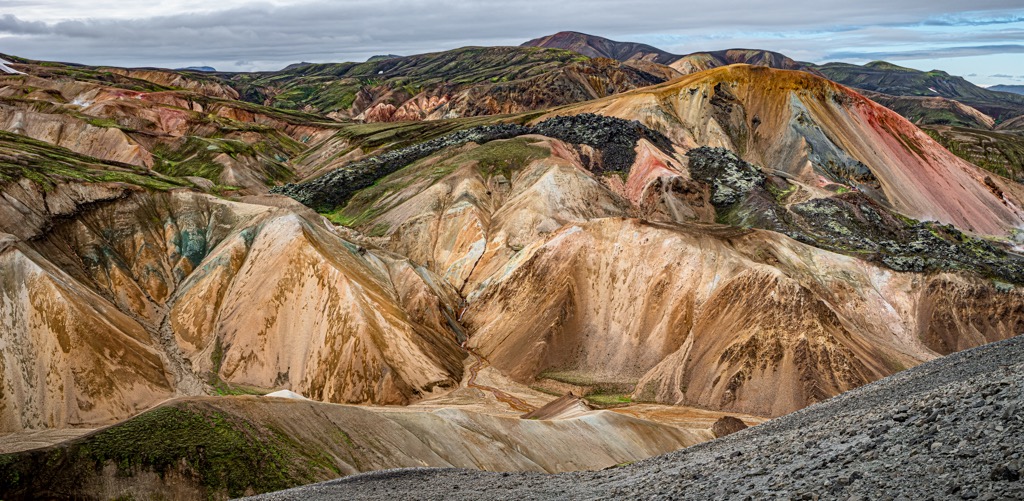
749,323
133,300
562,280
68,357
294,307
75,134
139,128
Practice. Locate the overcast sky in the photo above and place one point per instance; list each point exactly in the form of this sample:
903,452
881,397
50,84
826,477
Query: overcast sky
984,44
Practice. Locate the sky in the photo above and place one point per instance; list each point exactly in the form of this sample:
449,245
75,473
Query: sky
985,44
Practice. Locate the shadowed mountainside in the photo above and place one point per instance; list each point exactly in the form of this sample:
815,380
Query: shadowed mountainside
888,78
594,46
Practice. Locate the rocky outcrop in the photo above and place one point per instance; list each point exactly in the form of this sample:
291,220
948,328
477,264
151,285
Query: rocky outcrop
67,356
850,222
818,133
615,139
727,425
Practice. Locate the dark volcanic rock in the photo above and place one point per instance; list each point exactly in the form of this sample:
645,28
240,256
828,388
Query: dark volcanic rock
615,138
327,192
849,222
727,425
730,177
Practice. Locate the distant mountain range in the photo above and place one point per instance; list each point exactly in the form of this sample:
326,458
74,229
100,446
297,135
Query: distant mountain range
1013,89
595,46
888,78
979,124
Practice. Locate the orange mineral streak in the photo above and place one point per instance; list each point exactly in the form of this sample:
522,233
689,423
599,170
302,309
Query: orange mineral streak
759,120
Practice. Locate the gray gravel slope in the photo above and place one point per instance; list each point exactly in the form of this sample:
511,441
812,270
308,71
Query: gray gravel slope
947,429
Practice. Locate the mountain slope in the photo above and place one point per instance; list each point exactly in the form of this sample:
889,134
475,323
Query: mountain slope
701,61
595,46
1000,152
948,427
158,119
925,111
233,446
470,81
887,78
1013,89
125,288
820,133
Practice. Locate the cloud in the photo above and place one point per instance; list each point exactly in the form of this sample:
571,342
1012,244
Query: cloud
941,52
11,24
270,34
968,21
1000,75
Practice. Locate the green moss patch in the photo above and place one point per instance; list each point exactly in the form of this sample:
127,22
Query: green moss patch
224,455
48,165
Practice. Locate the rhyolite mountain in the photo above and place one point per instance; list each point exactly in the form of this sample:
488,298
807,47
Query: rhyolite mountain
934,100
470,81
170,250
595,46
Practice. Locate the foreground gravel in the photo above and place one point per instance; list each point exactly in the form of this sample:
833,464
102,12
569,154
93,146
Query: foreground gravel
947,429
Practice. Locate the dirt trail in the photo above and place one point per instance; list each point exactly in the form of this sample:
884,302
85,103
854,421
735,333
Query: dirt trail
513,402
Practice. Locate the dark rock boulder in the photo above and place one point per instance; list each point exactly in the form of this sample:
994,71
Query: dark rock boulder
727,425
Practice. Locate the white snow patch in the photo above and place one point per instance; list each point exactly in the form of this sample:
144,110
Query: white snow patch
7,69
286,394
80,101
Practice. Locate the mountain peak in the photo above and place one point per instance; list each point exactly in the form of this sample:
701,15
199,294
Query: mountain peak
701,61
886,65
595,46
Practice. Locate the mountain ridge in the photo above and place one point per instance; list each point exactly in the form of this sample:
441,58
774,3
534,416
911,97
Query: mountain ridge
595,46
